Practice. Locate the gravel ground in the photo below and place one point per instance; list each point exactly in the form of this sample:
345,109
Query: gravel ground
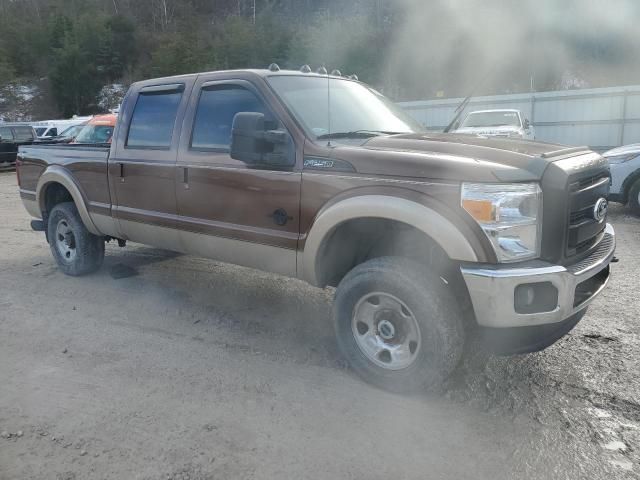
192,369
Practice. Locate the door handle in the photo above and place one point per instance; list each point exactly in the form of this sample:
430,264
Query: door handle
121,171
185,177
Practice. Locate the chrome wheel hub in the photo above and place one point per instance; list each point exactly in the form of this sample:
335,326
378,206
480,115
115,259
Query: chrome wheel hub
65,241
386,331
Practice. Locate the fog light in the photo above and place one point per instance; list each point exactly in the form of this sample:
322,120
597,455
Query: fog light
535,297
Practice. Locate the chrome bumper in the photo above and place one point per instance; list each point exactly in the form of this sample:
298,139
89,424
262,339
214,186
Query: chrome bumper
492,288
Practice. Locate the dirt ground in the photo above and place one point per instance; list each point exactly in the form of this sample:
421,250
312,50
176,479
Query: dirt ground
192,369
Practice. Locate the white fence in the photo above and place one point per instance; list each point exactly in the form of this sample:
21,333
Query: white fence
601,118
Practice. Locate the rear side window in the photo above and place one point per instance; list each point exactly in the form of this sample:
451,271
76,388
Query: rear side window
6,134
23,134
216,108
153,119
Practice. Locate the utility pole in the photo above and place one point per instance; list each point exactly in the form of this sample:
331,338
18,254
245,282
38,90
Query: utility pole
254,12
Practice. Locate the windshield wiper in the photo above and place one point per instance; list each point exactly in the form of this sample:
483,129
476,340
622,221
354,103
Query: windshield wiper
357,134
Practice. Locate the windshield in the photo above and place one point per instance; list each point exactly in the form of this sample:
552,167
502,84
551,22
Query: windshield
492,119
71,131
95,134
354,108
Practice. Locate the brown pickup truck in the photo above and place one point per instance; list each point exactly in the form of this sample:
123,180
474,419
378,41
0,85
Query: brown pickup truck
429,239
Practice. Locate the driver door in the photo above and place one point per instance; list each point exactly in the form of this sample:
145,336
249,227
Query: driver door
226,209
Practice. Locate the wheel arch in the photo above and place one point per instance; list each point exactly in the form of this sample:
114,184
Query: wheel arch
57,175
426,219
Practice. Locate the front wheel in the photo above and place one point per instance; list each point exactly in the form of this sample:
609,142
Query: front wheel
398,324
76,250
634,197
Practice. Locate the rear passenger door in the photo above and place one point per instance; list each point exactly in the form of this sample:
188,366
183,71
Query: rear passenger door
143,162
226,209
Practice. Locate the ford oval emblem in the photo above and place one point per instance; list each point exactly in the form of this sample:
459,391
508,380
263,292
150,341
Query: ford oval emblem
600,209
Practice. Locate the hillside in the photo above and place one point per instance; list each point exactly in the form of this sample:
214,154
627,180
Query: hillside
69,50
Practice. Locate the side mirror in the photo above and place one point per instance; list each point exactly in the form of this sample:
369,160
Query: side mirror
253,144
527,124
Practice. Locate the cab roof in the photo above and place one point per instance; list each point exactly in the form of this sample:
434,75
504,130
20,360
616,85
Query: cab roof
263,73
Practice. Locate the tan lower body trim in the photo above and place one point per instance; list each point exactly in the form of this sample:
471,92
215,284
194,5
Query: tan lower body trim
253,255
106,224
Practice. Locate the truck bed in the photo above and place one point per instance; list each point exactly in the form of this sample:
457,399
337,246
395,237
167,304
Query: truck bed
86,163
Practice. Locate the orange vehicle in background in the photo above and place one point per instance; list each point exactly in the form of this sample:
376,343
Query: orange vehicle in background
98,130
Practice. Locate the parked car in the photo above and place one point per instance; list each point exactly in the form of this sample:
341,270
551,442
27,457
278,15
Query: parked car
49,129
97,130
624,163
497,123
11,137
68,135
428,238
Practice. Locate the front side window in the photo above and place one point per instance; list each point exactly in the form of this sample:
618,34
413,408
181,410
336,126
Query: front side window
153,119
214,117
40,131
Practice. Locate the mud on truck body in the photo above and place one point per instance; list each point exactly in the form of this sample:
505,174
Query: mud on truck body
429,239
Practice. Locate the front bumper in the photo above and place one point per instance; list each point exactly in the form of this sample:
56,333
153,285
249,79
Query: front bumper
492,288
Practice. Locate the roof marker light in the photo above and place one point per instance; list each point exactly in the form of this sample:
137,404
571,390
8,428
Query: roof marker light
305,69
274,67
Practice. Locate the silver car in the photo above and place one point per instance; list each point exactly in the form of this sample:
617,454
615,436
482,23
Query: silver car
625,175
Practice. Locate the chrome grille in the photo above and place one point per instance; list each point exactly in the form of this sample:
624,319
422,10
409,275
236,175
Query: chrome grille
598,254
584,231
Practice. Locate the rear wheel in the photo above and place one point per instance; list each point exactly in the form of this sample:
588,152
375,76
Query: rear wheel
76,250
398,325
634,197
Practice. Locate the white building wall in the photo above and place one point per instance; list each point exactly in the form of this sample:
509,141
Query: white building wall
600,117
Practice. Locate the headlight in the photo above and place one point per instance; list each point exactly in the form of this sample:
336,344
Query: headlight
510,216
621,158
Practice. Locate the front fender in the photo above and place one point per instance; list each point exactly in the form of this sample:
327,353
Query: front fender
58,174
420,216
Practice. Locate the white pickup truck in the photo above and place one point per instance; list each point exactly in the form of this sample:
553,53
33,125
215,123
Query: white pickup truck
497,123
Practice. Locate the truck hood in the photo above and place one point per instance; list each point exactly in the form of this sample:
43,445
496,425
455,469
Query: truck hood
454,157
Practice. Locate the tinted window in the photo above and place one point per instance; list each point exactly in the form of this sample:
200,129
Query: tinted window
153,119
216,108
53,132
6,134
40,130
23,134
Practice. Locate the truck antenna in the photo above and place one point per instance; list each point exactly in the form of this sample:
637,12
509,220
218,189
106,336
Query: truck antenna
328,111
326,72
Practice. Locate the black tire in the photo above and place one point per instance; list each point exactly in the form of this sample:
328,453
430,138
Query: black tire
634,200
432,303
84,250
